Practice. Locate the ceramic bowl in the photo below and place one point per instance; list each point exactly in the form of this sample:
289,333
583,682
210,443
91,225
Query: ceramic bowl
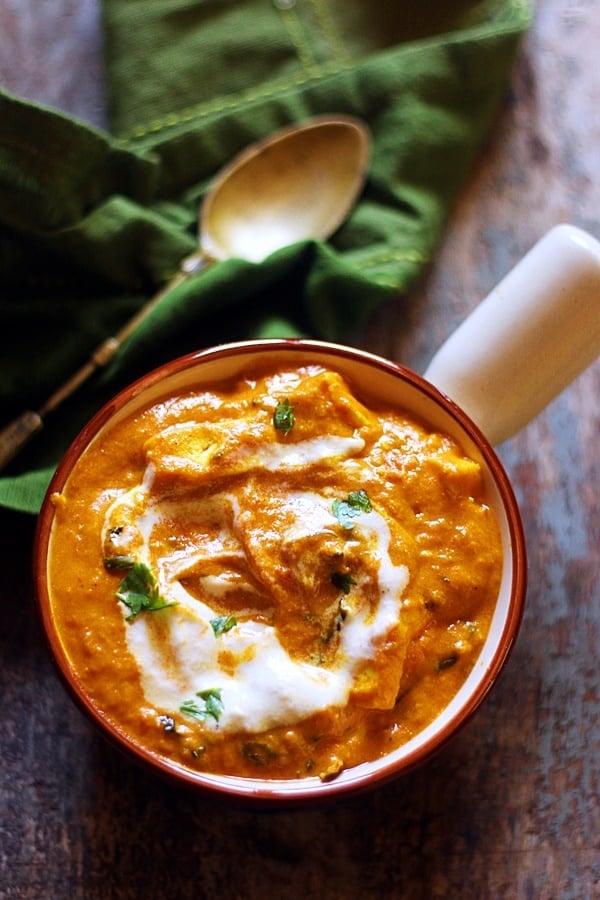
386,383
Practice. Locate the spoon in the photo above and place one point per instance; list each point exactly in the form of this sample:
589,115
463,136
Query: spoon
300,183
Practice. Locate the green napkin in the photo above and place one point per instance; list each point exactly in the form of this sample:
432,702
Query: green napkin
92,223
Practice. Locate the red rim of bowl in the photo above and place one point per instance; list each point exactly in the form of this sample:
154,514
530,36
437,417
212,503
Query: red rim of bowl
267,792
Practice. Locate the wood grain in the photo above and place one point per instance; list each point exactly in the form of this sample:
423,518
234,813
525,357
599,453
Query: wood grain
510,808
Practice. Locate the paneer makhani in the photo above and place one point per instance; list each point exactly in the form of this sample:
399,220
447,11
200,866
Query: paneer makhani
273,578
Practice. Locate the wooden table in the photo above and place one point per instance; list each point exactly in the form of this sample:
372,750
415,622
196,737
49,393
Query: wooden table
510,808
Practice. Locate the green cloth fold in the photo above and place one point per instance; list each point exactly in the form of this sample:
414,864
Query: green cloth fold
93,223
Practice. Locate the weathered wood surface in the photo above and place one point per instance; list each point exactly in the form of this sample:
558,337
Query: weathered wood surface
510,808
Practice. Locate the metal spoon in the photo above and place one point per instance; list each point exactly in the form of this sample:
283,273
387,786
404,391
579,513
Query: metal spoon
300,183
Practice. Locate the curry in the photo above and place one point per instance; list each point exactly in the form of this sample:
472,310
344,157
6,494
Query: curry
273,577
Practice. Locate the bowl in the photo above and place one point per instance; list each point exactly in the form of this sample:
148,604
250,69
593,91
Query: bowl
386,383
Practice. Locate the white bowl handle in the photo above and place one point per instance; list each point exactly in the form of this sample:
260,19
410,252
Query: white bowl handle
530,337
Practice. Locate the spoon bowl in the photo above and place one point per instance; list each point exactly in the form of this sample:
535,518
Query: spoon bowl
299,184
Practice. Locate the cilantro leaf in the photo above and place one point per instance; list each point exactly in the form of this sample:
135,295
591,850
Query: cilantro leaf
213,705
118,562
221,624
347,510
343,581
283,417
139,590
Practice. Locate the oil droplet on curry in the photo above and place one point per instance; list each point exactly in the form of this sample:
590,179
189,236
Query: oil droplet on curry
271,578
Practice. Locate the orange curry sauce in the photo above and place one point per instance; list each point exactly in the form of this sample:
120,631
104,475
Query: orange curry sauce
318,576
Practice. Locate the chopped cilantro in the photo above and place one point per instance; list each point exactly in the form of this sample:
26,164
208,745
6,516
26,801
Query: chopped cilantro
283,417
139,589
118,562
343,581
213,705
347,510
222,624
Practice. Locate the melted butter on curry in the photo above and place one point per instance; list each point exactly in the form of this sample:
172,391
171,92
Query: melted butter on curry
324,586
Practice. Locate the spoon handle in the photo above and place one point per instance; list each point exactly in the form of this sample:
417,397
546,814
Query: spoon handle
19,432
